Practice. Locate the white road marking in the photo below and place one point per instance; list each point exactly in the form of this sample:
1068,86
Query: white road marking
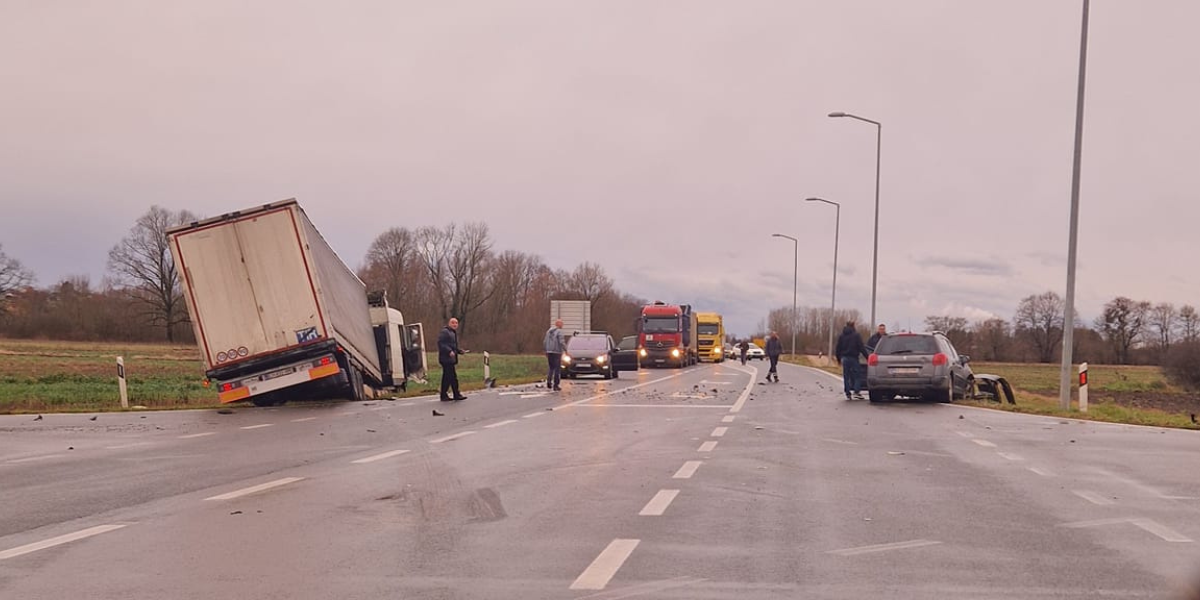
1011,456
655,405
984,443
689,396
262,487
34,458
1093,497
1148,525
124,446
304,420
461,434
62,539
728,418
720,431
1042,472
1141,486
535,395
836,441
597,575
500,424
258,426
659,503
624,389
407,404
533,415
741,401
707,446
687,470
707,382
384,407
371,459
883,547
965,434
197,435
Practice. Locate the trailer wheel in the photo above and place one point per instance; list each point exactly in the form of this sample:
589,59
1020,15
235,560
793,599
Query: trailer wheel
355,393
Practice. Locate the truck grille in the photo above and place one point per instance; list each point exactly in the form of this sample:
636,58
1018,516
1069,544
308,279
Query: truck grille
661,344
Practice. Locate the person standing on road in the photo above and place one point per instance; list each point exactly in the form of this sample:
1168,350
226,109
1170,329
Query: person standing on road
448,352
774,349
849,348
555,346
874,341
744,347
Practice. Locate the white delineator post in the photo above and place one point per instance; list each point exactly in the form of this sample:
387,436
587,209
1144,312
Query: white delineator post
1083,383
487,367
121,382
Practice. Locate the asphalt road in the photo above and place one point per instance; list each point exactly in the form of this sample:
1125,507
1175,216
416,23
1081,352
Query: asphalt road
696,484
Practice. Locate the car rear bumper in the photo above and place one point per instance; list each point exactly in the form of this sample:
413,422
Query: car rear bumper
897,383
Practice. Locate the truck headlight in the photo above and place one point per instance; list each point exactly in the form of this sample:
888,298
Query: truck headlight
642,352
717,350
675,353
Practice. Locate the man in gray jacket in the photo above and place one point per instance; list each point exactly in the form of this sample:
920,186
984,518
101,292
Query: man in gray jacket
555,346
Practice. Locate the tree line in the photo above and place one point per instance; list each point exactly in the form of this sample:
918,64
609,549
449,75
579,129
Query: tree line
501,297
1126,331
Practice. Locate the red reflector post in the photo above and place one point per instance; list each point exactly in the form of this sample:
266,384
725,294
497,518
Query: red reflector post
940,359
873,359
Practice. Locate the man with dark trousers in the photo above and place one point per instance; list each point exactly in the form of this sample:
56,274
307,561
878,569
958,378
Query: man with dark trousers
774,349
448,352
849,347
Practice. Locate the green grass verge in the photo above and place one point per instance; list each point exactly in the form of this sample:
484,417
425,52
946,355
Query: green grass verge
41,376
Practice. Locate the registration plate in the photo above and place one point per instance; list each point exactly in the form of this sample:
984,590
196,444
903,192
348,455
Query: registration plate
584,365
905,370
278,373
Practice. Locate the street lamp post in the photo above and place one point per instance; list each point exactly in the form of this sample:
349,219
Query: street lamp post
878,153
837,228
1064,380
795,271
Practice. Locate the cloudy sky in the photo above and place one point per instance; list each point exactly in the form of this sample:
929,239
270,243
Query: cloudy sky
666,140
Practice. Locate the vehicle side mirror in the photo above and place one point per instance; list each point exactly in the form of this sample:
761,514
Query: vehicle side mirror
964,358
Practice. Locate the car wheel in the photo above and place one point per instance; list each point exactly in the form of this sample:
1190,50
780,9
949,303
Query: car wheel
945,396
616,373
874,397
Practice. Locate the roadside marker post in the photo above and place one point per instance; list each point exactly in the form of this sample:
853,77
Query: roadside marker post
487,367
121,383
1083,387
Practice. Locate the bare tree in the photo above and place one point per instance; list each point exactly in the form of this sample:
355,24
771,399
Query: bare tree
588,282
992,338
14,277
142,262
390,264
1163,320
955,329
1123,322
455,260
1039,319
1189,323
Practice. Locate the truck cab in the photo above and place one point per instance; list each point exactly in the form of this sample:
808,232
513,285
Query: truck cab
710,331
667,335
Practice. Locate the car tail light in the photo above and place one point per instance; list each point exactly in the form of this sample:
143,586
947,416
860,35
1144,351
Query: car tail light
873,360
940,359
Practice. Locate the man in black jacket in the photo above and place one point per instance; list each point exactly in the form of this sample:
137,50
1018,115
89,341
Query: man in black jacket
849,348
448,352
774,349
874,341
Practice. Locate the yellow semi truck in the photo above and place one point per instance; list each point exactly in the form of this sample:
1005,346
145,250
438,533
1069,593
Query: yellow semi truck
710,330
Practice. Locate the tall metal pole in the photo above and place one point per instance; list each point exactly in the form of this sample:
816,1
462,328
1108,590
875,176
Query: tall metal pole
1064,381
875,252
795,278
878,157
837,228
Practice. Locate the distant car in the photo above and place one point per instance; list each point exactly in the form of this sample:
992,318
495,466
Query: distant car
589,354
755,352
922,365
626,356
731,352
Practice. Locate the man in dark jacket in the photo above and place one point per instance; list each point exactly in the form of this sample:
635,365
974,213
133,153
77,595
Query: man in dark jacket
448,352
743,348
849,348
774,349
874,341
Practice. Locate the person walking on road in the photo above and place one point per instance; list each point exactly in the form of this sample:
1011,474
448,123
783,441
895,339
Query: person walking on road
744,347
874,341
555,346
448,352
849,348
774,349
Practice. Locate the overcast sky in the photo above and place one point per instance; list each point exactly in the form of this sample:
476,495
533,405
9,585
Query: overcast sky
666,140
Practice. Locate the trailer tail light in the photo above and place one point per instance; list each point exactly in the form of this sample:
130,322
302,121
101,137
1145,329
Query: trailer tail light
325,360
873,360
225,387
940,359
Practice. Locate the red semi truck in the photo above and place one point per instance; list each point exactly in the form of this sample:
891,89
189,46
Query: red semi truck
667,335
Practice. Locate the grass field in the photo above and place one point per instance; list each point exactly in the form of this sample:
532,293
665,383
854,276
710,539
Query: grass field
1118,394
40,376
